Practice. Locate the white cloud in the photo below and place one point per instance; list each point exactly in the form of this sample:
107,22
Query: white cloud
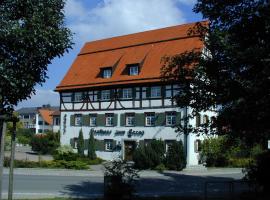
117,17
40,98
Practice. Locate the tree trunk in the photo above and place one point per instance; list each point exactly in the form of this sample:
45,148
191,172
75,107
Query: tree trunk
12,155
2,138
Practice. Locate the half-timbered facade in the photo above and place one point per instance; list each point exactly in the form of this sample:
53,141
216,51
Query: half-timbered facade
114,90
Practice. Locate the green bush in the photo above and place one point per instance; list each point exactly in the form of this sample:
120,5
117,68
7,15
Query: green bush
91,147
149,156
239,162
160,168
7,143
47,164
24,136
45,143
258,172
80,144
175,157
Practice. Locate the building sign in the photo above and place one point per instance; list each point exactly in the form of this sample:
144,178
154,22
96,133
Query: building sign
130,132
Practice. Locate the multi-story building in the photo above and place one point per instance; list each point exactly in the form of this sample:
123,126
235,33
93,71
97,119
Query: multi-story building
114,90
40,119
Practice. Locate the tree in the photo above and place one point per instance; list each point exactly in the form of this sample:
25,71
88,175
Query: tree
232,72
175,158
91,147
80,144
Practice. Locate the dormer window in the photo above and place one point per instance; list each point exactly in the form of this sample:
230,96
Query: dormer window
133,69
107,72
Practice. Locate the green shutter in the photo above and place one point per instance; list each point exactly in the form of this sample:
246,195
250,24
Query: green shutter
85,120
134,93
160,119
115,119
114,144
112,94
72,120
99,145
198,120
163,90
139,119
72,143
120,93
86,144
148,92
101,120
99,95
122,120
178,118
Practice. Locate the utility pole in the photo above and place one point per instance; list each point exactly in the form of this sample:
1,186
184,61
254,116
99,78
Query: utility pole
12,155
2,138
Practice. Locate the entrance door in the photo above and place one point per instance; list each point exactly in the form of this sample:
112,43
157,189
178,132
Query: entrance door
129,149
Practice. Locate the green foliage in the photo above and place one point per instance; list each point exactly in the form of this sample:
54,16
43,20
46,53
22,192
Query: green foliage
24,136
258,172
80,144
31,35
91,147
7,143
48,164
149,156
175,157
234,71
45,143
119,179
160,168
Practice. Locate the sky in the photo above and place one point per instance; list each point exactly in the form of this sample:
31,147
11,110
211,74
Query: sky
97,19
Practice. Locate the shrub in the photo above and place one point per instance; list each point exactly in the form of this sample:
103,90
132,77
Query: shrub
66,153
239,162
24,136
7,143
91,147
160,168
258,172
80,144
175,157
149,156
45,143
119,179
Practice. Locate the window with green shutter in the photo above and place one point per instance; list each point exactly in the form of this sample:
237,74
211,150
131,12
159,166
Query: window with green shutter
178,118
115,119
160,119
86,120
99,145
139,119
122,120
101,120
72,120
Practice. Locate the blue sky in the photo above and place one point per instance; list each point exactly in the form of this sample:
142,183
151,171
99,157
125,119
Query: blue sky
96,19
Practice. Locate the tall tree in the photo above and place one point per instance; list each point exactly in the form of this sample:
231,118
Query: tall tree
32,33
80,144
233,70
91,147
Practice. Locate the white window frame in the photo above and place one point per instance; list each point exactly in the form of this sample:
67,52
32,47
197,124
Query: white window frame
127,93
108,145
133,70
78,120
107,73
150,119
170,118
130,119
109,119
155,92
93,120
78,96
105,95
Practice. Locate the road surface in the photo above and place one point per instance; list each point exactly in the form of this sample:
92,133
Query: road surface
38,184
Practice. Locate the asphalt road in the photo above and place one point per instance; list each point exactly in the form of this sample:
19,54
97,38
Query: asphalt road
174,184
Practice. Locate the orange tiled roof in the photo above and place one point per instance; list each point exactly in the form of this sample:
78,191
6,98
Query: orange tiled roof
46,114
146,48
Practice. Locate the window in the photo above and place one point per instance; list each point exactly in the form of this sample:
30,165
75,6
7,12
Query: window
40,122
93,120
127,93
39,130
105,94
57,121
78,97
170,118
107,73
168,144
205,119
150,119
197,146
130,119
46,124
26,116
133,70
93,96
155,91
108,145
78,120
109,119
66,97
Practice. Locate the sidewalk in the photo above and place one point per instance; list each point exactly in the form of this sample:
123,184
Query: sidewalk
96,171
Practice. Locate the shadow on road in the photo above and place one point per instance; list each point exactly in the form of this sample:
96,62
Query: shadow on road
167,184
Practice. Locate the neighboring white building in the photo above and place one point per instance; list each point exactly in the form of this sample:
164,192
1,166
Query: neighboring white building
114,90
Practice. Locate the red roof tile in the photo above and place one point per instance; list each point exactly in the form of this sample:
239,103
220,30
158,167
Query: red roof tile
146,48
